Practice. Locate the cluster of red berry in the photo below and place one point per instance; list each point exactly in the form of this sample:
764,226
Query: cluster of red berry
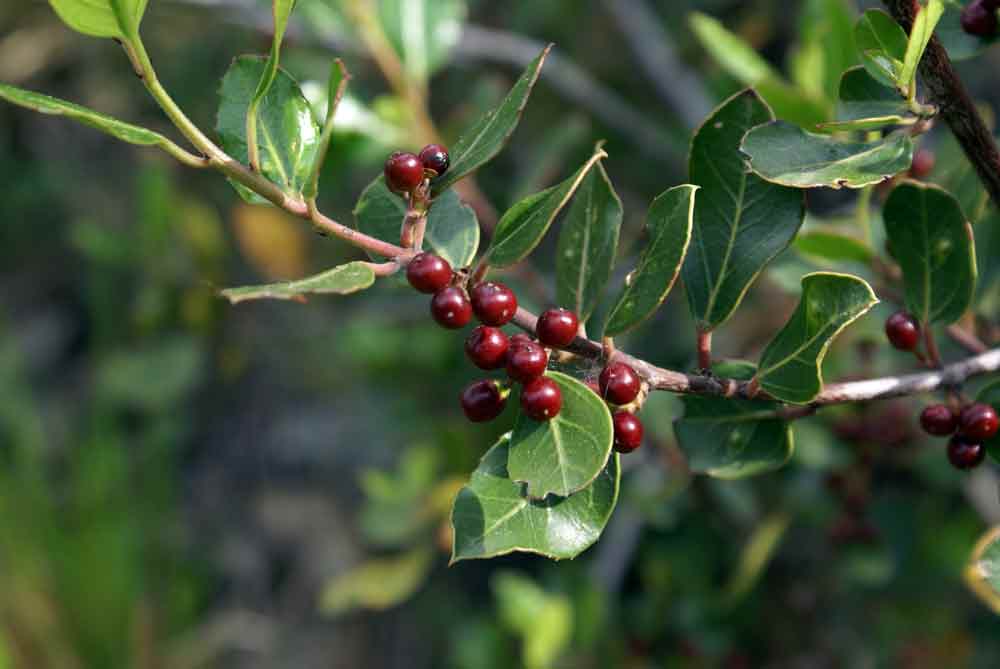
968,427
405,172
525,358
979,18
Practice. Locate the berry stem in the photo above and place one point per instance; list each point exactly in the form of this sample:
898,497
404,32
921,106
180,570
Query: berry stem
704,350
930,342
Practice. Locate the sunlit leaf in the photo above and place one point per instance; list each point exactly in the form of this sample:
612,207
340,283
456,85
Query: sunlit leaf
741,222
343,280
923,28
523,226
588,243
484,140
492,516
668,225
102,18
786,154
565,454
126,132
791,367
287,132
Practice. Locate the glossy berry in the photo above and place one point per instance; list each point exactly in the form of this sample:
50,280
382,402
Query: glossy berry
526,361
494,303
903,331
619,384
979,18
923,164
939,420
482,401
628,431
521,338
450,308
428,273
965,454
403,172
541,399
557,327
487,347
435,157
978,422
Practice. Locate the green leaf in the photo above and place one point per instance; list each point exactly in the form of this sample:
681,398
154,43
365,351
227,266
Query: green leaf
336,86
865,104
668,224
588,243
786,154
491,515
489,134
544,621
422,32
741,222
452,229
733,438
343,280
377,584
983,573
990,394
923,30
832,244
287,131
102,18
881,43
565,454
933,244
280,10
960,44
743,63
126,132
791,367
523,226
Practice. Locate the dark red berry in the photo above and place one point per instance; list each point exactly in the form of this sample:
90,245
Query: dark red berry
494,303
435,157
541,399
965,454
939,420
482,401
979,18
450,308
428,273
521,338
526,361
978,422
903,331
487,347
403,172
619,384
557,327
923,164
628,431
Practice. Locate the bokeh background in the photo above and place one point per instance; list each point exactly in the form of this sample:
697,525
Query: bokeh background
187,484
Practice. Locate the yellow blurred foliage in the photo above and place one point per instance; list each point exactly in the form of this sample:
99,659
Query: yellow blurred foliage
272,241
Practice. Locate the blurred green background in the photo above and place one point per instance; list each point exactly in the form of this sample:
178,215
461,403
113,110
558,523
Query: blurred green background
188,484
